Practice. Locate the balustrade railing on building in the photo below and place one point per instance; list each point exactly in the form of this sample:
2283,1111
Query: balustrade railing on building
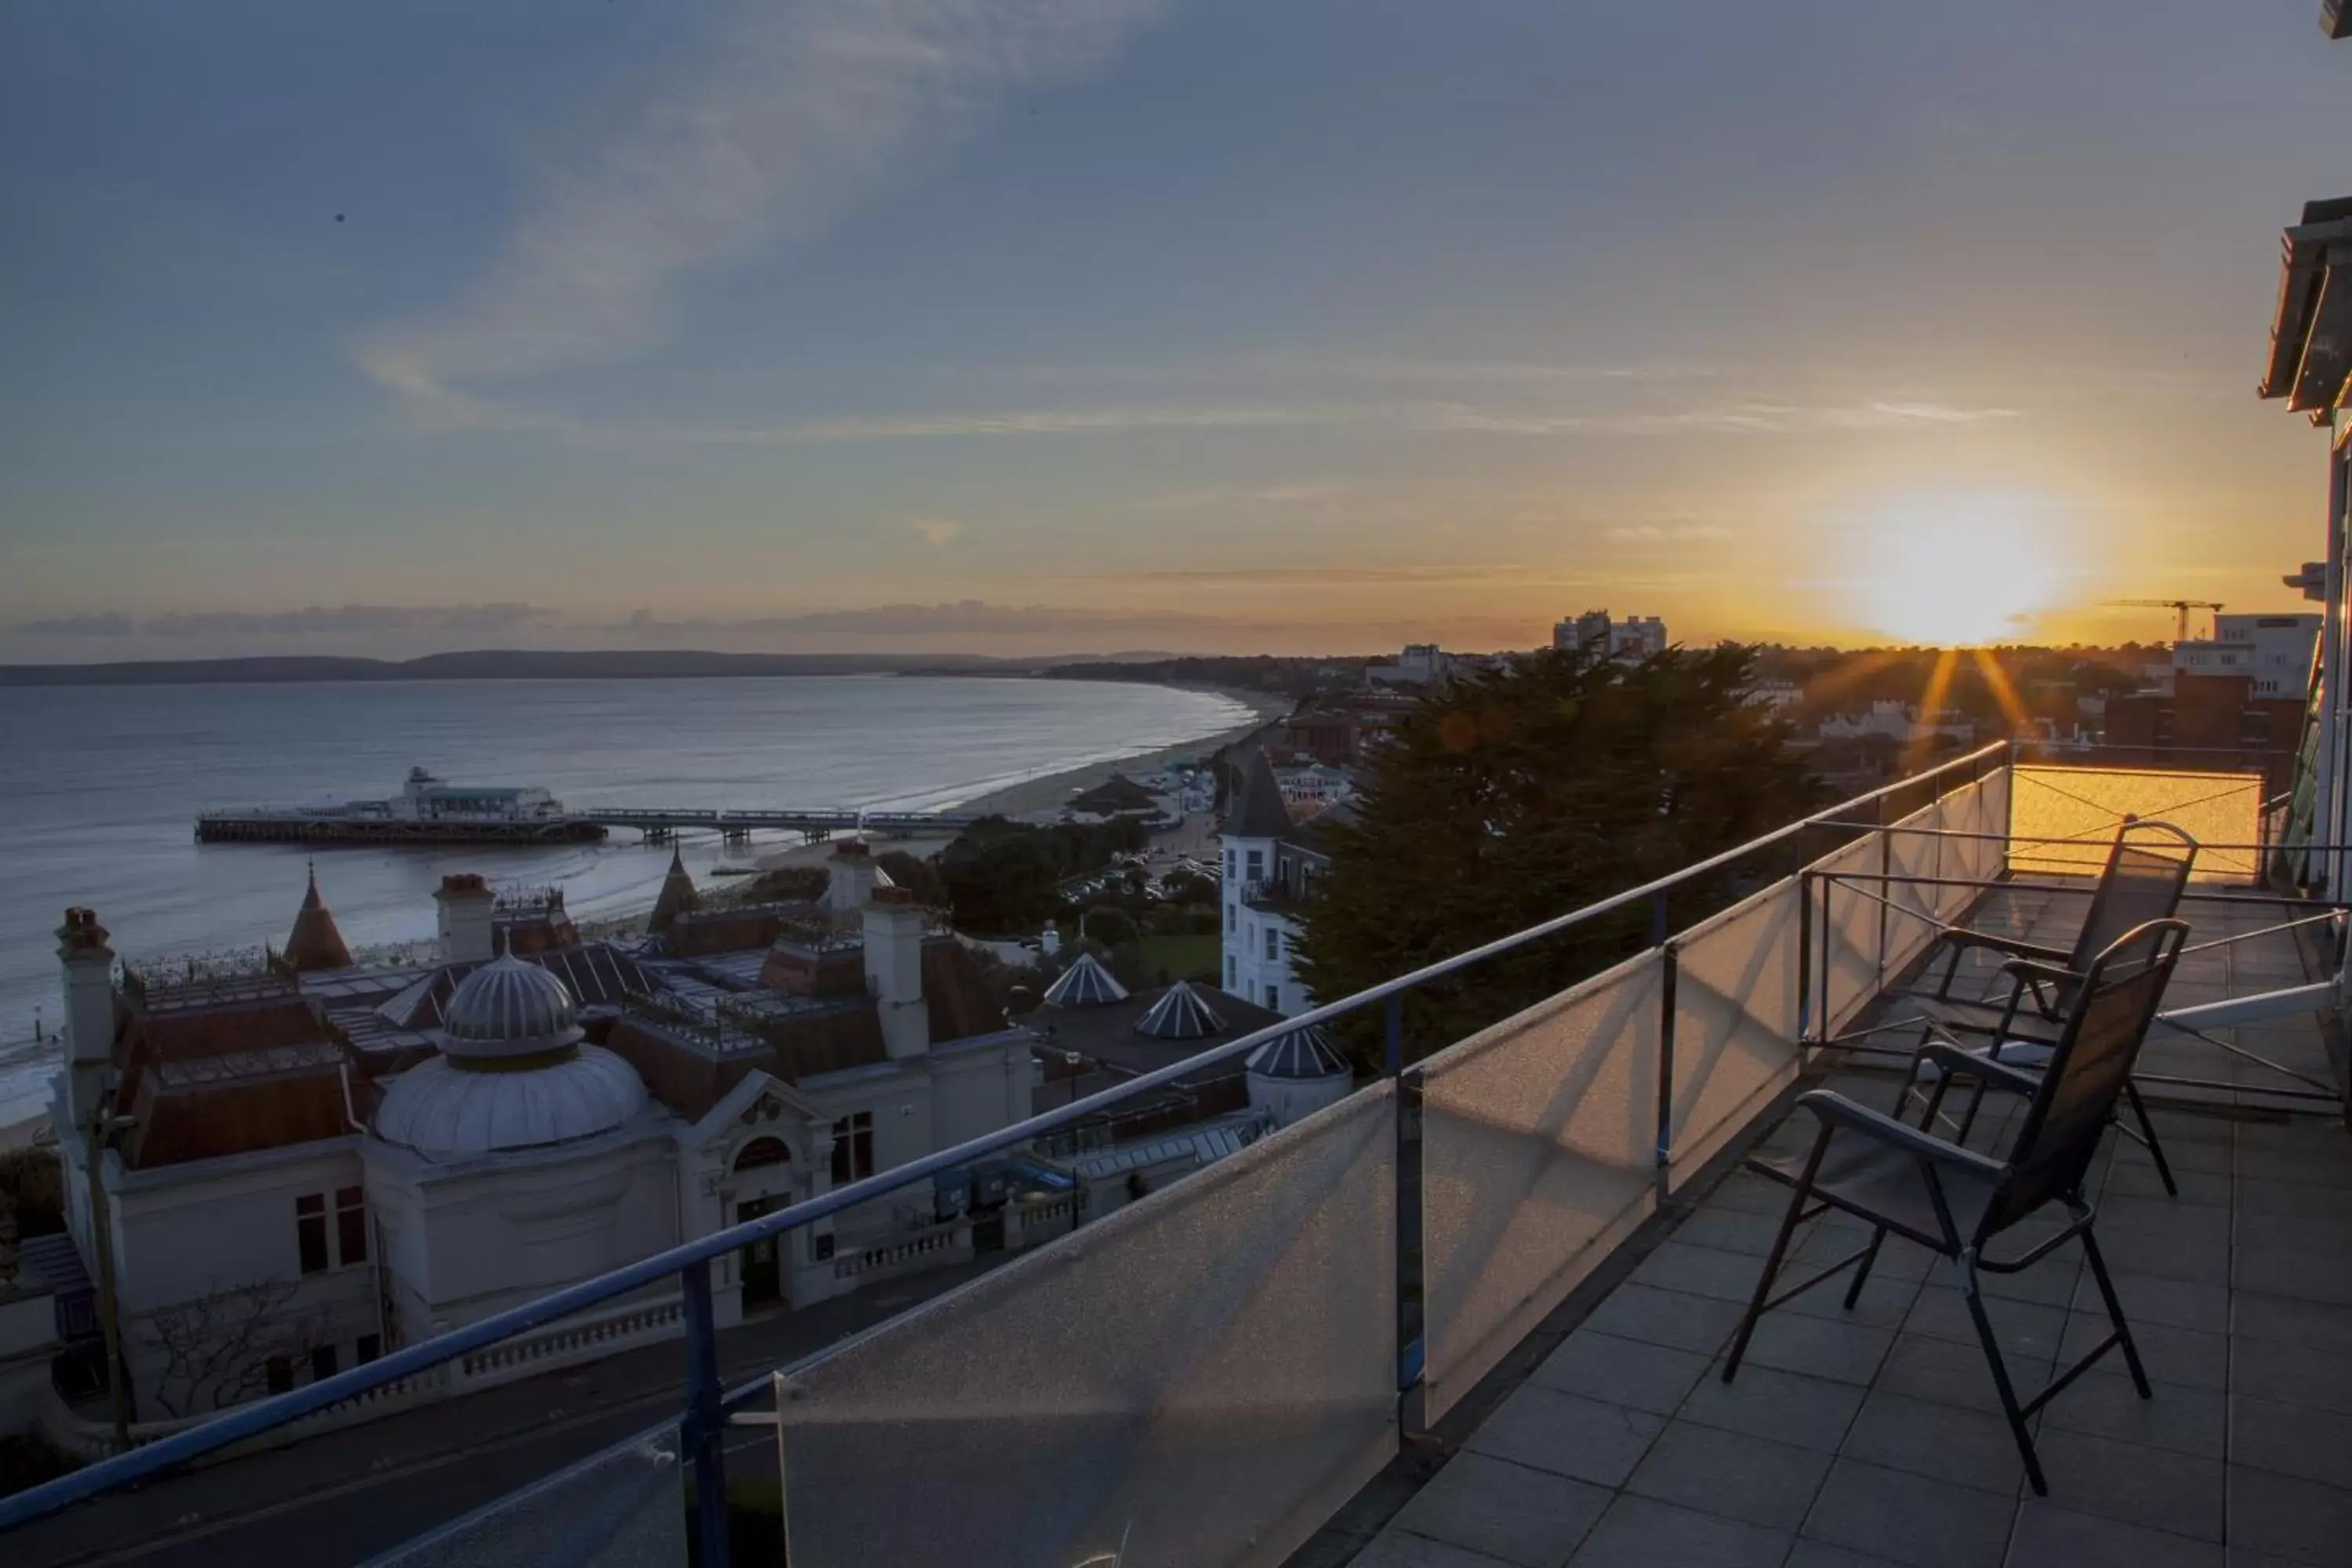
1263,1332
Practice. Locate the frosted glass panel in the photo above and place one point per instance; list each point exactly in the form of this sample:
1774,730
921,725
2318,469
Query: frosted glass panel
1911,920
1848,933
624,1507
1200,1379
2079,809
1539,1154
1735,1021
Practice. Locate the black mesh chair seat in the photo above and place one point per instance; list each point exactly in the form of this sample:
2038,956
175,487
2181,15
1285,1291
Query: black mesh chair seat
1909,1183
1881,1183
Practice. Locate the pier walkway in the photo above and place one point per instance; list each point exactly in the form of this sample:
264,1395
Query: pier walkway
589,824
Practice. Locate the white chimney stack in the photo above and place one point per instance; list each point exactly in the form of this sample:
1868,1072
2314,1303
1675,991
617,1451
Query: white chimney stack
850,880
894,971
89,965
465,902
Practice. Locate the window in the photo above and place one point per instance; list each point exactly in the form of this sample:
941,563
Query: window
322,1362
1257,865
365,1348
1231,918
351,1225
1273,944
761,1152
1233,971
310,1232
1274,998
1229,865
853,1148
279,1373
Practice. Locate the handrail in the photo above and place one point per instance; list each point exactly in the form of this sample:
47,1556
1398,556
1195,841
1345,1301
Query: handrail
247,1421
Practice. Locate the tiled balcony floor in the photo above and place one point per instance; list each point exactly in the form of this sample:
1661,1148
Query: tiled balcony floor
1874,1436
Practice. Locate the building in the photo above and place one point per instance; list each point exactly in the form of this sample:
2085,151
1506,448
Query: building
1270,861
1634,637
2273,651
1420,664
301,1164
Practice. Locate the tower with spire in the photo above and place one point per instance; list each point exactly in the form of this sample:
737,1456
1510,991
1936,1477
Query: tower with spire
1257,926
678,896
315,943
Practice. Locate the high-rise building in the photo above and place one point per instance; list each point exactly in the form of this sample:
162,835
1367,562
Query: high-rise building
1635,636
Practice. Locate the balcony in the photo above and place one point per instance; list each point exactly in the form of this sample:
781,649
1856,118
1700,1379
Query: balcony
1468,1315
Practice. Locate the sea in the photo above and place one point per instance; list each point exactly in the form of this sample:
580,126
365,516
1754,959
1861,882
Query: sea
100,789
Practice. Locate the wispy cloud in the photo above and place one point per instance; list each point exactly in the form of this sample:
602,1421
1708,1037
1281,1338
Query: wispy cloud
789,114
932,531
1023,422
1670,533
1337,576
356,620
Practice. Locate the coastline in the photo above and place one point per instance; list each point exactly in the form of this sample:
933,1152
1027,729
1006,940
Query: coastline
1047,791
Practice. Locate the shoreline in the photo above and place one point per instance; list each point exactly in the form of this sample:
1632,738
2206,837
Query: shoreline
1048,791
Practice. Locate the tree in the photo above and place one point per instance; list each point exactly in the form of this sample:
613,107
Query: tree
215,1349
1526,791
915,874
1109,924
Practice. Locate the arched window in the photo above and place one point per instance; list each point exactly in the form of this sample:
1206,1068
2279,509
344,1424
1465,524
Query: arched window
763,1152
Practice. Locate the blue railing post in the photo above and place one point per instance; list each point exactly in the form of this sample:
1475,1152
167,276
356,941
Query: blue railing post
1667,971
1413,1355
703,1430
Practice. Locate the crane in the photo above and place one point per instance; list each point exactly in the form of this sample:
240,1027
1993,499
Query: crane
2179,608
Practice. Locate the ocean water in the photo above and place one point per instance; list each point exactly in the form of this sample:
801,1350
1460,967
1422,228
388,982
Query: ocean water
99,788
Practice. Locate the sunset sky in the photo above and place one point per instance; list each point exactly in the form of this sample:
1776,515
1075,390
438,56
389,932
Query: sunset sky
1077,325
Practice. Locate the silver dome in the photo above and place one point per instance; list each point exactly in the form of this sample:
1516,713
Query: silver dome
509,1008
1305,1053
447,1112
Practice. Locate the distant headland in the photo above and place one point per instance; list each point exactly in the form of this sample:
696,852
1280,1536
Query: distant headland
504,664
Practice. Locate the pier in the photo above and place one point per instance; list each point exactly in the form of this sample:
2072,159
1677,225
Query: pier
586,826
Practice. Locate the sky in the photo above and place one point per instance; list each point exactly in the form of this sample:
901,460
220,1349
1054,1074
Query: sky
1047,326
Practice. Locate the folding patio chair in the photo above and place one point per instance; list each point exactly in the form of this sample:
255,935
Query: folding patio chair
1907,1181
2144,879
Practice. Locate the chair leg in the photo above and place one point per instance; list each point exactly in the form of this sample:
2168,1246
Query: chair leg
2116,1315
1764,1281
1862,1269
2147,1136
1966,1269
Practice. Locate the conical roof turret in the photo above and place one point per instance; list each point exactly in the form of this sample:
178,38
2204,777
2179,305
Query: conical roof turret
315,943
1256,810
677,895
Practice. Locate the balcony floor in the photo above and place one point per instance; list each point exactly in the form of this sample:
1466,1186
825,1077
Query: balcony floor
1874,1436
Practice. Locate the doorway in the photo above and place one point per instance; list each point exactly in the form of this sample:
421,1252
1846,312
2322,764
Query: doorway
764,1273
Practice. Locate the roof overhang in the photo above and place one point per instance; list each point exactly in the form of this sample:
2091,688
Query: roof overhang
2335,19
2311,335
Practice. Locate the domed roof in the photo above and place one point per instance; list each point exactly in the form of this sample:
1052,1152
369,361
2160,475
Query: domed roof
445,1111
1180,1015
509,1008
1303,1053
1086,984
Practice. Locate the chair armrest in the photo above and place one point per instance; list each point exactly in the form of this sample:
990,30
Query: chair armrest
1964,936
2033,972
1834,1110
1953,1058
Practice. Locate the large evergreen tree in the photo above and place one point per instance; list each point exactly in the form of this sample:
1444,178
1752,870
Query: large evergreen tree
1526,791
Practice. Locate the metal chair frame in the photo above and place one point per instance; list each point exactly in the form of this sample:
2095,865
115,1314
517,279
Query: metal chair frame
2057,973
2029,1177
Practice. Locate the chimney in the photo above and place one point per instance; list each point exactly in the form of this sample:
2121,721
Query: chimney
894,971
849,881
89,965
465,902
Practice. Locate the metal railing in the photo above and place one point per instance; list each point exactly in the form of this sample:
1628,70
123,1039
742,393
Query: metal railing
1686,977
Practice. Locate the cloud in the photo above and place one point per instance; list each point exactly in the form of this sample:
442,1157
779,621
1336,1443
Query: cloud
964,617
311,620
1339,577
932,531
108,625
1026,422
789,114
1736,418
1652,533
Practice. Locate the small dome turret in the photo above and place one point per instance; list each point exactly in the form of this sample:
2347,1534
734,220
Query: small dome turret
509,1008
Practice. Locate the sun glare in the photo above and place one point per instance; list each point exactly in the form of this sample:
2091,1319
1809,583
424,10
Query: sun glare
1955,574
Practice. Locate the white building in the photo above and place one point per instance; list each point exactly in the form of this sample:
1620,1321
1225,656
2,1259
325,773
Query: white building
1420,664
2275,650
1633,638
305,1166
1269,863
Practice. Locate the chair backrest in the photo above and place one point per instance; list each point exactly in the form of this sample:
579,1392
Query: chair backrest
2089,1068
2145,874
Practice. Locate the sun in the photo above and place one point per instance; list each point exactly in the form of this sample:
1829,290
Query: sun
1955,573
